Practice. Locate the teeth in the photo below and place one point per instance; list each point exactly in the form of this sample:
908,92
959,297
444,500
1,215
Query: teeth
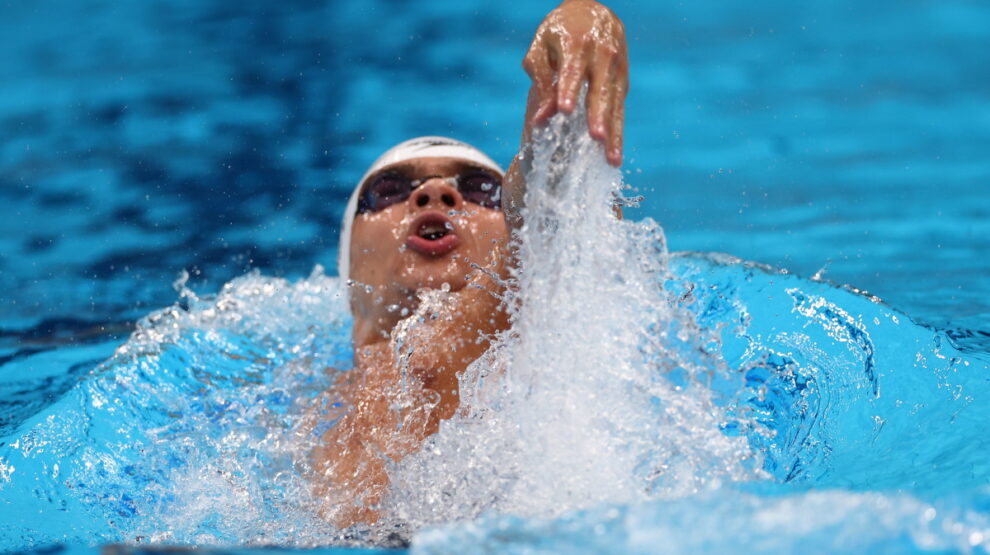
432,232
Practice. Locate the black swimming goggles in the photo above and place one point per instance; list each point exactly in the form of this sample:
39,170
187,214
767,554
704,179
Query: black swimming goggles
475,185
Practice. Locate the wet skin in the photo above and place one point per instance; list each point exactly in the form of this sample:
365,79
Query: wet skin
385,247
390,411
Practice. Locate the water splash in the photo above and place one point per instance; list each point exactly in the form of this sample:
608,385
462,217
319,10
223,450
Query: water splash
584,402
732,521
854,470
192,432
694,400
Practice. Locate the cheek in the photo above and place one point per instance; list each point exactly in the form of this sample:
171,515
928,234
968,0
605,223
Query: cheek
375,245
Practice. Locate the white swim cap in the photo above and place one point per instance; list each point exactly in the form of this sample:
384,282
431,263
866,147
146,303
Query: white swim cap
420,147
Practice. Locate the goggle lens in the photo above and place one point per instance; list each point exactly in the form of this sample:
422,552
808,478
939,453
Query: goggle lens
476,186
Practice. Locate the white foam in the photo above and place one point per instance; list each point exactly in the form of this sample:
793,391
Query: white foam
600,394
575,407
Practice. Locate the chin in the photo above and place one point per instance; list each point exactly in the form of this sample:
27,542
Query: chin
432,274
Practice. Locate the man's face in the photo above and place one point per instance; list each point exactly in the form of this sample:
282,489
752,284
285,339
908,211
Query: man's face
432,238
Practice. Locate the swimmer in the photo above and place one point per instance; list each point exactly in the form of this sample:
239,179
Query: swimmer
437,214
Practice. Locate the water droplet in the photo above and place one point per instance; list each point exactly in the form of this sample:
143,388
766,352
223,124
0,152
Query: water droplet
975,538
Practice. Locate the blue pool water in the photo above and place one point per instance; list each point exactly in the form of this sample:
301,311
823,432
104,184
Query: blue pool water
843,142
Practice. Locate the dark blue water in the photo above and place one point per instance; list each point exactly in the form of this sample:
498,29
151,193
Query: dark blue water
142,139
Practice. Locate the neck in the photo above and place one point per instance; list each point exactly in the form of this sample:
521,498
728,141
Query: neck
368,331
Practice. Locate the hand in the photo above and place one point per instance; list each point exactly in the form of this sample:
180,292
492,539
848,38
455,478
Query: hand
580,39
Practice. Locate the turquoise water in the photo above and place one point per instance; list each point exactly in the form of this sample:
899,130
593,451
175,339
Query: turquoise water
870,429
844,142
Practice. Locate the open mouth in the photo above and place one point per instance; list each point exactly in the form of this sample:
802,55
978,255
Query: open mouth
432,234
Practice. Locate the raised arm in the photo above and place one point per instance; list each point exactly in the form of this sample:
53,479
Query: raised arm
580,40
400,391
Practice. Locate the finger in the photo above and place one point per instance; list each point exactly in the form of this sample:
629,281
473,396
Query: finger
532,107
599,100
537,65
617,104
613,148
569,84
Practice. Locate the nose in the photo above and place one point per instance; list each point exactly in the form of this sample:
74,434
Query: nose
436,193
